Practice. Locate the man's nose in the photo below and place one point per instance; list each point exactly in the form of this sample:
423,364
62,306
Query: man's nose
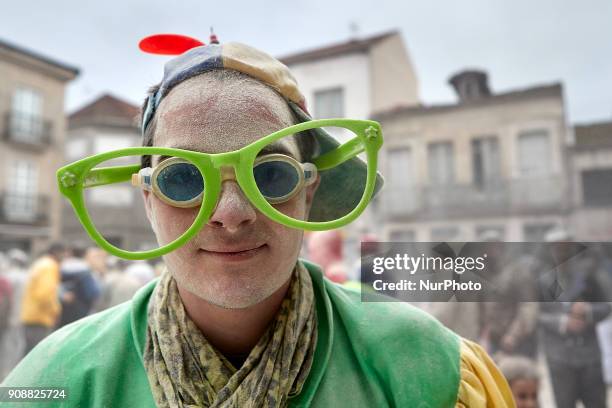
233,210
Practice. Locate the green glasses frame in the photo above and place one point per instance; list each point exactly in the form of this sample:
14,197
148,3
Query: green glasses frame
75,177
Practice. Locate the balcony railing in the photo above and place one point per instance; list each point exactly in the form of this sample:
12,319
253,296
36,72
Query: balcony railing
20,209
27,129
500,198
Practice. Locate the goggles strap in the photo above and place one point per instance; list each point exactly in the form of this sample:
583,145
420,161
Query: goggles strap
143,178
310,173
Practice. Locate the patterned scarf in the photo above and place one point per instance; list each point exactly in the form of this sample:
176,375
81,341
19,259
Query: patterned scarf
184,370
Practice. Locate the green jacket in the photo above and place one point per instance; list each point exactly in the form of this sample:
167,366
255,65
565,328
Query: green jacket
368,355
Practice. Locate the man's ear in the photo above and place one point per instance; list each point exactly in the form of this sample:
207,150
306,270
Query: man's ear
310,193
146,197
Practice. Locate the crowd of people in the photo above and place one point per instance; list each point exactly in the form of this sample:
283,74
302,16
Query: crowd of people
570,329
62,285
67,283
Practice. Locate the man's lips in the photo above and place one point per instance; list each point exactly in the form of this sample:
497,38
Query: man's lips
233,250
228,254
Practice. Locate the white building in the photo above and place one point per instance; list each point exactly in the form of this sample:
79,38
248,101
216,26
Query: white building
108,123
357,77
353,79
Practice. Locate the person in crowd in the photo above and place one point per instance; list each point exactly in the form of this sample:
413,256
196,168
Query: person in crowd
79,289
524,379
325,249
604,328
461,316
97,259
568,325
40,307
6,298
508,326
140,271
116,285
16,273
236,319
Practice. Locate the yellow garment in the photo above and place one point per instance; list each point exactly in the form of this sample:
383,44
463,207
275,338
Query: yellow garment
40,304
481,385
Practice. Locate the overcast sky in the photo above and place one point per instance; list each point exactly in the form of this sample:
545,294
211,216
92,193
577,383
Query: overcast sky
519,42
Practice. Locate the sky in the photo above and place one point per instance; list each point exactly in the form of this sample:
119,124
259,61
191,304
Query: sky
520,43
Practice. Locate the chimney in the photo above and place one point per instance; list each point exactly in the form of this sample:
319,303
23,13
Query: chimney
470,85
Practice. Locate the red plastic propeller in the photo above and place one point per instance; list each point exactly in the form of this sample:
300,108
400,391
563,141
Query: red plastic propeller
168,44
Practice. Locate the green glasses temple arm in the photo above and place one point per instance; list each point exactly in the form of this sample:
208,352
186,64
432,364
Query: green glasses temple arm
340,154
109,175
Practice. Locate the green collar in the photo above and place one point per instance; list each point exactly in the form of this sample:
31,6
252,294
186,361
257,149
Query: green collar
325,329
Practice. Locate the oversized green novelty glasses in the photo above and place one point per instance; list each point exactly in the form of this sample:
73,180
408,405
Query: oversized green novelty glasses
104,189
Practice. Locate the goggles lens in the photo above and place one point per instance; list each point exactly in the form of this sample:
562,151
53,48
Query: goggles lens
180,181
276,179
332,187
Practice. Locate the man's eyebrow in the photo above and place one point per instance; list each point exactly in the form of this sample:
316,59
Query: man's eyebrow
268,149
164,157
276,148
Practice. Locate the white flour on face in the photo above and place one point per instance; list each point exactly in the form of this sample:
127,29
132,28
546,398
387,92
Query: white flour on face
216,112
219,111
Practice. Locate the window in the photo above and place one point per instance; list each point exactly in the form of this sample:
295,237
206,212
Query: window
597,187
444,234
21,197
485,161
400,167
534,153
402,236
76,149
400,180
469,90
104,144
26,116
329,103
441,163
536,232
111,196
489,231
107,143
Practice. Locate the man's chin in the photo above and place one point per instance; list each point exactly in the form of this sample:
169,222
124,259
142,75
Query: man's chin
229,288
234,300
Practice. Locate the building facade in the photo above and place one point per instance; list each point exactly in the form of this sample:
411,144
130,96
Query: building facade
33,124
357,77
353,79
117,211
591,172
491,162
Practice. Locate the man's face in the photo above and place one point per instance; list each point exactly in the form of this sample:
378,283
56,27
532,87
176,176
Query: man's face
240,257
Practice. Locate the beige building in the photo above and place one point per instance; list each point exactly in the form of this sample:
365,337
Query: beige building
32,121
591,172
492,161
108,123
